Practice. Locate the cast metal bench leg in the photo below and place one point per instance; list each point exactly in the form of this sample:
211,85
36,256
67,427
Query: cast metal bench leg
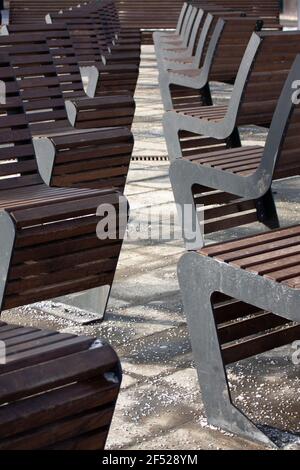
8,234
197,292
266,210
171,133
164,86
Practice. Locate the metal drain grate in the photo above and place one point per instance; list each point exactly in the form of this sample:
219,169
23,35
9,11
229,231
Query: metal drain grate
152,158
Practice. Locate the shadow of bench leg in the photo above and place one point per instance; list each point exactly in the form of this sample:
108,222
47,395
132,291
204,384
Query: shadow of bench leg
266,211
234,140
93,301
197,292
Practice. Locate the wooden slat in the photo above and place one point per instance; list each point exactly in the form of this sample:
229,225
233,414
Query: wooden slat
260,343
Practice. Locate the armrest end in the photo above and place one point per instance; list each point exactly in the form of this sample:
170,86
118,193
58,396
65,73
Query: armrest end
45,156
90,79
102,111
71,112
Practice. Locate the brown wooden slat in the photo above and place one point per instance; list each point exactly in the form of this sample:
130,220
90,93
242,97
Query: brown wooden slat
254,240
231,310
260,344
94,440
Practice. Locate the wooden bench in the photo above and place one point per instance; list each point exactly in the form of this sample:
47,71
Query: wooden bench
241,299
95,158
49,244
110,108
230,183
220,49
185,46
58,390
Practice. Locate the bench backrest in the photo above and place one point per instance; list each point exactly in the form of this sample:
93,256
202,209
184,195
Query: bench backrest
281,153
196,31
88,33
41,87
206,31
18,167
262,74
62,51
104,13
227,47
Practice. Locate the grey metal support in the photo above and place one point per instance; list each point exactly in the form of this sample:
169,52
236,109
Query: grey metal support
90,77
165,56
7,241
163,41
202,40
5,17
45,156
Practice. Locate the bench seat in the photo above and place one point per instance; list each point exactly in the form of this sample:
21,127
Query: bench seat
57,391
241,299
273,255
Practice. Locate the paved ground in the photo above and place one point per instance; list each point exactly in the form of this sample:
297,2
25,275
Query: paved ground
160,403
